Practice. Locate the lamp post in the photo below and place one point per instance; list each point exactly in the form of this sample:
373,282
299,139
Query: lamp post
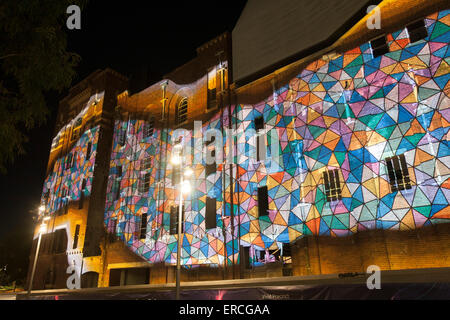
42,229
177,161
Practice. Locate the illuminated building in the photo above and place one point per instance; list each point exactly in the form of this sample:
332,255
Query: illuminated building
362,178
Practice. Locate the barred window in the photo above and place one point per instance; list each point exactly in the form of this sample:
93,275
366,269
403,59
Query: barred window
398,173
143,231
144,183
212,90
174,220
149,128
182,110
146,163
332,185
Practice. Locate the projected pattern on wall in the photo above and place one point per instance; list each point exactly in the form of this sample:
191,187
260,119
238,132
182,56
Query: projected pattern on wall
351,116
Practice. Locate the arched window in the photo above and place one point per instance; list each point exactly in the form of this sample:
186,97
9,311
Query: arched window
182,109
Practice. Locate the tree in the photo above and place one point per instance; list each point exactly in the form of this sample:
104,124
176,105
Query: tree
33,61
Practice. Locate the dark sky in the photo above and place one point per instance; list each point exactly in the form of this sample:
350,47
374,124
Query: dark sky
128,36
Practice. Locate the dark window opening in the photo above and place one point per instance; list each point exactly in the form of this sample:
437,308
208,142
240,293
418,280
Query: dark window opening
174,220
417,31
259,123
245,257
379,46
143,231
263,201
211,209
332,185
212,167
76,236
81,201
116,188
88,150
398,173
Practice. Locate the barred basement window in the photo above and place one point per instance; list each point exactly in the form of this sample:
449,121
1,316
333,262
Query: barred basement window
332,185
210,216
398,173
379,46
149,127
182,110
417,31
144,183
174,220
263,201
143,226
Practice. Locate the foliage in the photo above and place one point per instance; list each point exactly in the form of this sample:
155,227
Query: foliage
33,60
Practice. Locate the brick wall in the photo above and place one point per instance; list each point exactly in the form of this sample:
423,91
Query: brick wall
427,247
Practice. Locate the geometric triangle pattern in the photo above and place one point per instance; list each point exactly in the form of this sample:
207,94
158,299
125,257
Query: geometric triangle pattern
347,115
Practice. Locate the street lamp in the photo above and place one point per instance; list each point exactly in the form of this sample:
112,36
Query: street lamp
42,229
185,188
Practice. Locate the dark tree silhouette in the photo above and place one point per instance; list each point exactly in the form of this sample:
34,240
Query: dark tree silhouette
33,60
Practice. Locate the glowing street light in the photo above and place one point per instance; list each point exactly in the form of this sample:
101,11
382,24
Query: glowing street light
185,188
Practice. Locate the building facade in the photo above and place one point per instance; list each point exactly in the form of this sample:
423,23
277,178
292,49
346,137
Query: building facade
329,164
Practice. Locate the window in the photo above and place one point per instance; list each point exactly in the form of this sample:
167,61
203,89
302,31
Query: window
88,150
81,201
379,46
116,189
417,31
146,164
144,183
174,220
398,173
332,185
121,137
68,161
212,90
245,257
263,201
182,110
149,128
76,236
211,168
143,226
210,217
260,139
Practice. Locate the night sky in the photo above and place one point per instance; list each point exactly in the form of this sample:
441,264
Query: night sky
134,38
